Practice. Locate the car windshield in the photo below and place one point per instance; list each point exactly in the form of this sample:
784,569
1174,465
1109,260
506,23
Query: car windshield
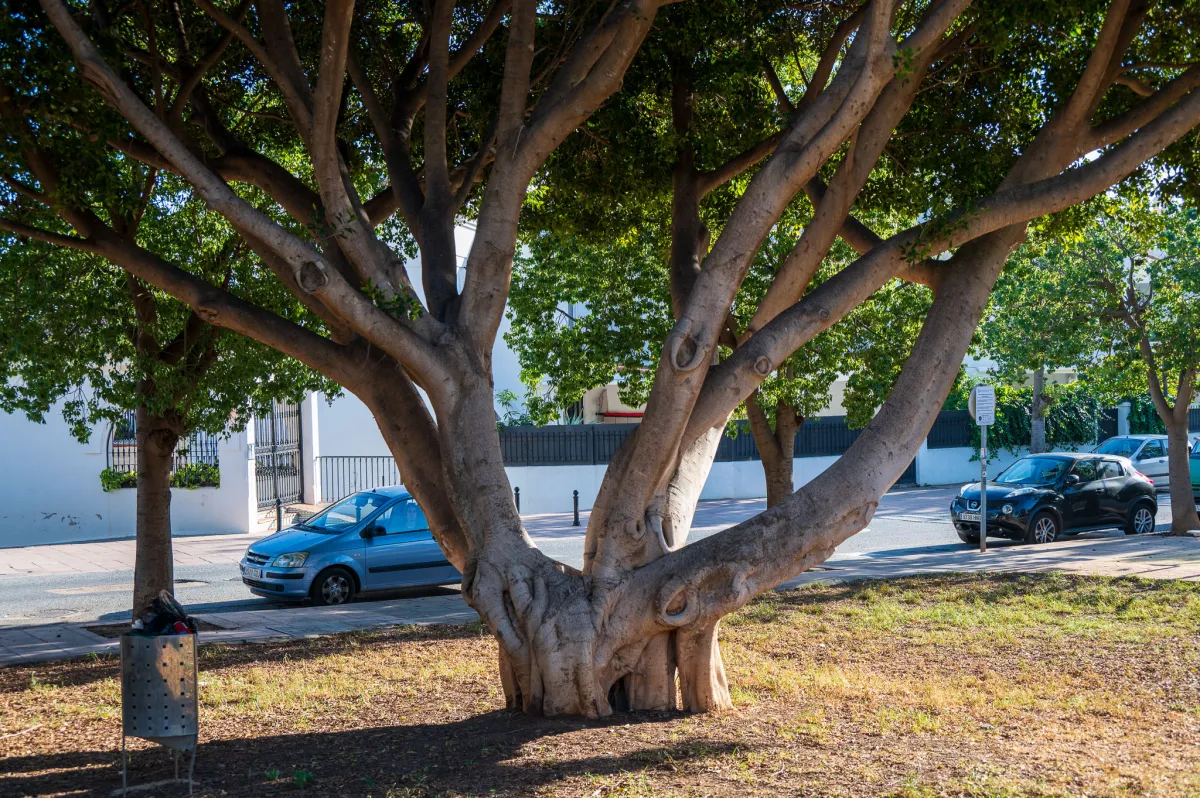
1033,471
346,513
1195,452
1121,447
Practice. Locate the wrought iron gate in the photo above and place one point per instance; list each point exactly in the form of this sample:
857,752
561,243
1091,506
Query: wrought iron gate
278,466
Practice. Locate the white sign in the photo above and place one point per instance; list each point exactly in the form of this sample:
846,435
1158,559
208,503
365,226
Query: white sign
983,405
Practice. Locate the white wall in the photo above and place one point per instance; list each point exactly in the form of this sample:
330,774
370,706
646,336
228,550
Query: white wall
954,466
346,428
547,489
50,488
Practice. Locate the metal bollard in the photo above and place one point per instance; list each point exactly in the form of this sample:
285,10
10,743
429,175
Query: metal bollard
575,494
278,514
517,498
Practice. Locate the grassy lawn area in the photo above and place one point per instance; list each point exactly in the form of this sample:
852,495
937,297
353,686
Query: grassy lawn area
973,686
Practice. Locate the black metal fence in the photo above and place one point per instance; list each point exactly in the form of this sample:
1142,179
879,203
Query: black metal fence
1108,423
595,444
341,476
951,430
199,448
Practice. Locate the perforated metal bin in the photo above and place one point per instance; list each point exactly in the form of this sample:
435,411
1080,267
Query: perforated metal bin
158,695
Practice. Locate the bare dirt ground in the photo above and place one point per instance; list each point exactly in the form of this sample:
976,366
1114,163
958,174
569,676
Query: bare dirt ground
981,686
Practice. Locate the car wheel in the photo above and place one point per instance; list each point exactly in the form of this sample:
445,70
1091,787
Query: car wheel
1141,520
1043,528
332,587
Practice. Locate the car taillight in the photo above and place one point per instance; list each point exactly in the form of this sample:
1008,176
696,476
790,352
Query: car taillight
1139,475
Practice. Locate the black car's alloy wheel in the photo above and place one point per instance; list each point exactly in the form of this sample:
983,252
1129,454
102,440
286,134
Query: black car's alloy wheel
1141,520
1043,528
333,587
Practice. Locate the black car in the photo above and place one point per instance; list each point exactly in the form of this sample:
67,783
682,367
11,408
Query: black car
1041,496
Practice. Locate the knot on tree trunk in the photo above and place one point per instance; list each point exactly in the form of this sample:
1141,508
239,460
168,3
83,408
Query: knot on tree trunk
685,353
311,277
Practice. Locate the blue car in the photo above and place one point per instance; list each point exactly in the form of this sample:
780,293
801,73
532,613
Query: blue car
374,540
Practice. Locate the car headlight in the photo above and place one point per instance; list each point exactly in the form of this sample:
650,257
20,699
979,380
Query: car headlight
1007,509
292,560
1021,492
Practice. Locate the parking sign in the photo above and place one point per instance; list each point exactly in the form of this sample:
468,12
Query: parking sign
983,405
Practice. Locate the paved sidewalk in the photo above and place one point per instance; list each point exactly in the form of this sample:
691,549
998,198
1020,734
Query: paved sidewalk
1150,556
117,555
28,644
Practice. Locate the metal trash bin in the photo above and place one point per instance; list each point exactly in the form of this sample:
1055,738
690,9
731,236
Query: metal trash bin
158,696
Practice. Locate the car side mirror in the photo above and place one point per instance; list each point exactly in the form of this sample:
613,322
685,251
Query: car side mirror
371,531
1072,479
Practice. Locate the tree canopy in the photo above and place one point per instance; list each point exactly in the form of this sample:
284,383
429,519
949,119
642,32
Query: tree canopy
70,325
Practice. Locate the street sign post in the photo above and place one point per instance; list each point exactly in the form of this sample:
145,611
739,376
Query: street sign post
983,407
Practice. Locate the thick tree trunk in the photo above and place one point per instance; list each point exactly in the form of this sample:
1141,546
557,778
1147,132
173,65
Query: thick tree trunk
1183,505
154,563
1037,413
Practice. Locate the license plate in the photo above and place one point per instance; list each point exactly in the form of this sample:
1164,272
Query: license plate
253,573
968,516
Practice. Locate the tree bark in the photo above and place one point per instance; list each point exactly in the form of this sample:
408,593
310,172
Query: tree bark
1183,504
1175,419
776,446
1037,413
154,562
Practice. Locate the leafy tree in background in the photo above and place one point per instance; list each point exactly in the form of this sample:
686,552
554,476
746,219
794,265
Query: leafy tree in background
1117,300
1031,329
1072,418
964,121
1138,275
74,327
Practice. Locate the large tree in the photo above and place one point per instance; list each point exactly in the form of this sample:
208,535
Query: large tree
1028,332
989,108
76,329
1135,277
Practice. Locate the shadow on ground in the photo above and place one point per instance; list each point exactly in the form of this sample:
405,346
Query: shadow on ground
476,756
68,673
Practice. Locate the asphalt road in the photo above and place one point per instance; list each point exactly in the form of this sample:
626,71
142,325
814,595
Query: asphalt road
907,520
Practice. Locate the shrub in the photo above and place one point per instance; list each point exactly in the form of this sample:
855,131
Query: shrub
190,476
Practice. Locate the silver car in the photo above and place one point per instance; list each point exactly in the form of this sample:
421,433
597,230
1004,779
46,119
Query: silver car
1148,453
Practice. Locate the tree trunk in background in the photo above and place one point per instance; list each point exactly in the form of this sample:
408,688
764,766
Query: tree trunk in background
776,446
154,564
1183,505
1037,413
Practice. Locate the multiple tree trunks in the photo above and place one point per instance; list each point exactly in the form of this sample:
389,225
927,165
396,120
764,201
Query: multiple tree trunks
642,618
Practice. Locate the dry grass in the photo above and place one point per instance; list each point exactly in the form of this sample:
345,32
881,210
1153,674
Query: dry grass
951,686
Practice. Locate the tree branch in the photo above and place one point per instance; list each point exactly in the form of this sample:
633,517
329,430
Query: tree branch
312,273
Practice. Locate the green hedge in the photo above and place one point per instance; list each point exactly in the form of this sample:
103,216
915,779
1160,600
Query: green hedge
193,475
1071,419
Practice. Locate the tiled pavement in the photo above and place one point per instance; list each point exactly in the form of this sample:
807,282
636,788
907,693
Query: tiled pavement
116,555
1150,556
